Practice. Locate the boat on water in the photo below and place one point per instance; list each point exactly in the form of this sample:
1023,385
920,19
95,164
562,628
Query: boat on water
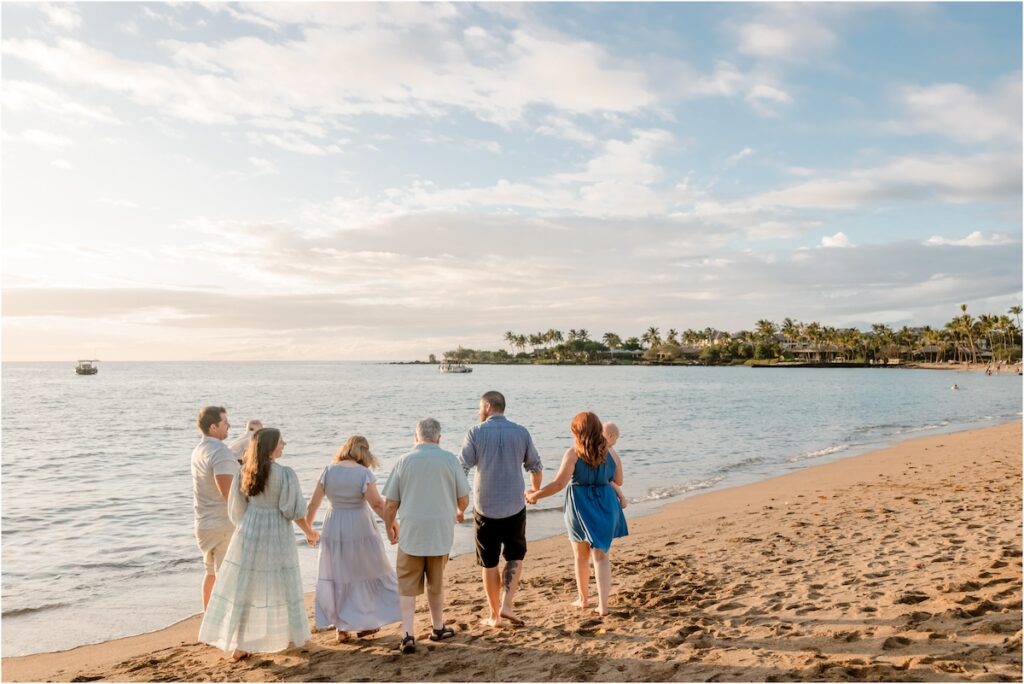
87,367
454,367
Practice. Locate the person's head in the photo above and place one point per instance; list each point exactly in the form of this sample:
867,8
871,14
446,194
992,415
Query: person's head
253,425
491,403
428,430
590,444
357,449
213,421
611,433
265,446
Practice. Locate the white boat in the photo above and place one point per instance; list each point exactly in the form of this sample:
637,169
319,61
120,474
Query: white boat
87,367
454,367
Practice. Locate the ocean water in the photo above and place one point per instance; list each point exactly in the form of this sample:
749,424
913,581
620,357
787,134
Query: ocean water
97,537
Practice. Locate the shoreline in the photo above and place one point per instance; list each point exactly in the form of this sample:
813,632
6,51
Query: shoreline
154,655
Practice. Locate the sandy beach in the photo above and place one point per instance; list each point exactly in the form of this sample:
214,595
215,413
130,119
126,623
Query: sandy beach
901,564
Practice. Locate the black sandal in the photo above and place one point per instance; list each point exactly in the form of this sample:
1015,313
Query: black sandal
408,644
445,632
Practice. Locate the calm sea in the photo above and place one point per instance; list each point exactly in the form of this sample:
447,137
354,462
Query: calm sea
97,510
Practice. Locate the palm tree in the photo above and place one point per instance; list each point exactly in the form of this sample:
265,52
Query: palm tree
510,337
521,343
535,340
611,340
673,336
765,330
1016,311
573,335
583,335
651,337
552,336
814,335
967,325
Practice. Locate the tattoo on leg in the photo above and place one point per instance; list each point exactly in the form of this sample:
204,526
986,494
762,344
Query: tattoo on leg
509,573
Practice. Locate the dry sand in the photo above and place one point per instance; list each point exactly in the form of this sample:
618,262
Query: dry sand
901,564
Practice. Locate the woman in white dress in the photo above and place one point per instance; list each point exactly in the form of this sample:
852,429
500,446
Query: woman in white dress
257,601
356,588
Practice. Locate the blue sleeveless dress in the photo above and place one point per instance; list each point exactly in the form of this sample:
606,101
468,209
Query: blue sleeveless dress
592,510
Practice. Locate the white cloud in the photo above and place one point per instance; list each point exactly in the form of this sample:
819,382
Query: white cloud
34,136
976,178
787,33
426,73
24,96
62,16
492,146
263,166
837,240
565,128
742,154
767,100
957,112
975,239
118,202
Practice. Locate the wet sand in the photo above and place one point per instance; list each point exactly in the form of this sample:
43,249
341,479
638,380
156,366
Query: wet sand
902,564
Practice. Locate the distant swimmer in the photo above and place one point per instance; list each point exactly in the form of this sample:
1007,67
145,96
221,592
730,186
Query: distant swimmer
955,387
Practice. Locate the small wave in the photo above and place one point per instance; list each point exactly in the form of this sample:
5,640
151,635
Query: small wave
32,609
818,454
922,428
740,465
660,493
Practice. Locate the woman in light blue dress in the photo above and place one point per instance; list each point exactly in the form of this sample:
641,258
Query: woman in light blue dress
593,514
257,601
356,588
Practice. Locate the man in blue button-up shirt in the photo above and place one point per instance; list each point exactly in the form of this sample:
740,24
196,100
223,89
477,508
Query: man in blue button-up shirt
499,449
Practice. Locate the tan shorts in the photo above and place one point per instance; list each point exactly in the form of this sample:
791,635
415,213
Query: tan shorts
412,569
213,542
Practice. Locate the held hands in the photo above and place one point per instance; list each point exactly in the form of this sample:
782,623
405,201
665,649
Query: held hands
393,533
531,495
460,516
313,538
623,501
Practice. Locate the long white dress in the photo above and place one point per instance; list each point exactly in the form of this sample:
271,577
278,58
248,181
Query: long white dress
257,600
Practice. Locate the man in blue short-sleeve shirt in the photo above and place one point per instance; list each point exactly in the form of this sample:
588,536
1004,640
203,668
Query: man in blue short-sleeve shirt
500,450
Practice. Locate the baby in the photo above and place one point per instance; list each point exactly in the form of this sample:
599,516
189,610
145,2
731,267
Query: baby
611,435
238,446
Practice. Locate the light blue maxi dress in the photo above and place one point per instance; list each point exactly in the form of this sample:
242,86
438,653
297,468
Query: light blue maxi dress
592,510
257,601
356,587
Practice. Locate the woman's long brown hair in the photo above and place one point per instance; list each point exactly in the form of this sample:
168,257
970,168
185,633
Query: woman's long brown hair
590,444
256,460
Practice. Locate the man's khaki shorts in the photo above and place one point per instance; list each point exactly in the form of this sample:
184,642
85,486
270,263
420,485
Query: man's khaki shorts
412,569
213,542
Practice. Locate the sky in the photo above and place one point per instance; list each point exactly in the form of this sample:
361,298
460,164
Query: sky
385,181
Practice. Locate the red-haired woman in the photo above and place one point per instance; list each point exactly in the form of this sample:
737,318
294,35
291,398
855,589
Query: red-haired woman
593,515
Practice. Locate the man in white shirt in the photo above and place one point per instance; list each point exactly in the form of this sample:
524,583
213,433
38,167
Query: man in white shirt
239,445
214,466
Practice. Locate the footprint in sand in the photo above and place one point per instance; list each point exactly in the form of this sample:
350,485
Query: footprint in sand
895,642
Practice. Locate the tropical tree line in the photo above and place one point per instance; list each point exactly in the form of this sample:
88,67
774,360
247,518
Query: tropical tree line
965,338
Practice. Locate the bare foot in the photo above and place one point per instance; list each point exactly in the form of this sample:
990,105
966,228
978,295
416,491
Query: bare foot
512,617
491,622
581,603
342,637
600,613
238,655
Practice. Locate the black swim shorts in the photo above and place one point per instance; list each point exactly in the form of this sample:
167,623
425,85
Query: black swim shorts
500,536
